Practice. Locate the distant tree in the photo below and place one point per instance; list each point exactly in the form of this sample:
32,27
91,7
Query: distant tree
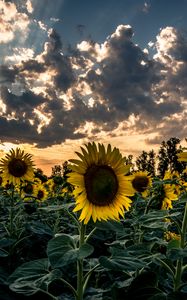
167,156
57,170
39,174
129,161
146,162
141,161
66,169
151,162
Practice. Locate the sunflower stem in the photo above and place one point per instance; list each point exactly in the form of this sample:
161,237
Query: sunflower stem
141,234
147,205
11,214
166,266
87,276
70,286
90,234
74,219
179,265
80,278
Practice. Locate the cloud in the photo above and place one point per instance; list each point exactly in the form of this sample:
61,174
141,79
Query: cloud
7,74
29,6
55,20
93,90
80,29
146,7
126,78
12,22
53,58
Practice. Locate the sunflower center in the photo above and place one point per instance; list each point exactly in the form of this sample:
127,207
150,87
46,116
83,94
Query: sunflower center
1,180
40,194
101,185
17,167
140,183
28,188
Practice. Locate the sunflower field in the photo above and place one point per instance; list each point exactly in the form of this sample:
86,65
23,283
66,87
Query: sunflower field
100,231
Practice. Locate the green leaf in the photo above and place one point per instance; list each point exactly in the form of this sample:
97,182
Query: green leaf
85,250
62,250
36,268
173,244
6,242
121,263
154,225
50,208
176,253
157,216
32,277
40,228
111,226
3,253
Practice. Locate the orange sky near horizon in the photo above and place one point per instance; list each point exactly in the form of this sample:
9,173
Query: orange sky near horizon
46,158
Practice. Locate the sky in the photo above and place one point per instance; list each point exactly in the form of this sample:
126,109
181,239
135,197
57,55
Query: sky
77,71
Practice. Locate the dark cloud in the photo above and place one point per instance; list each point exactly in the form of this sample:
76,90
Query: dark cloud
54,58
17,131
172,127
66,122
126,77
80,29
21,105
7,74
32,65
118,75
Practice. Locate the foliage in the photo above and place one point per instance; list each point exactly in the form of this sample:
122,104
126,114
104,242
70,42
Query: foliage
45,251
167,156
146,162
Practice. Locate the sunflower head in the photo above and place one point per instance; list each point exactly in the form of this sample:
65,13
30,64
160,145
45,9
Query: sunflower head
141,182
169,235
28,188
167,196
1,179
171,175
101,189
182,156
100,181
40,192
17,166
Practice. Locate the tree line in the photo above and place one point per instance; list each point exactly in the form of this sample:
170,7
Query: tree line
154,163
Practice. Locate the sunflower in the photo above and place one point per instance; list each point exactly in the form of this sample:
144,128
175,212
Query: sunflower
40,192
2,183
101,189
182,156
27,189
17,166
174,176
51,186
141,182
169,235
168,195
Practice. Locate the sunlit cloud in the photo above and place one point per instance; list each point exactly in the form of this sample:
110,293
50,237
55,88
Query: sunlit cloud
55,20
29,6
19,55
44,119
110,90
12,22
